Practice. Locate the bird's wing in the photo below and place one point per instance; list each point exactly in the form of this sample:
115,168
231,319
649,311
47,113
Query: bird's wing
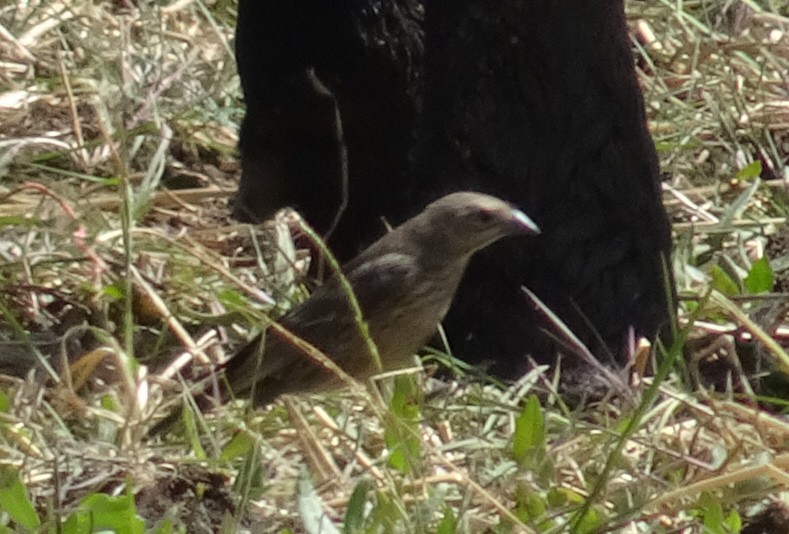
327,312
379,280
325,320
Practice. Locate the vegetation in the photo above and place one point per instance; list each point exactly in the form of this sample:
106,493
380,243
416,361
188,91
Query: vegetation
117,156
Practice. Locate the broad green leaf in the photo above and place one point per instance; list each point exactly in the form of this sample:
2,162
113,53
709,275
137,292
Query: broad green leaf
14,499
751,171
760,277
402,429
100,512
723,282
239,446
448,524
355,513
528,442
5,403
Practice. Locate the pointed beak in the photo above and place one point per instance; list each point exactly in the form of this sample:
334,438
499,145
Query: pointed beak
524,225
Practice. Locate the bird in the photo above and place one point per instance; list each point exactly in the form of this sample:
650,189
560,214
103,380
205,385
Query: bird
404,284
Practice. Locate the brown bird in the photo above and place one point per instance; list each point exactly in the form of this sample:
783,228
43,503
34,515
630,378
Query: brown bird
404,284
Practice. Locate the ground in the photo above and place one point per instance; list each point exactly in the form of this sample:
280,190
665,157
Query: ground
118,128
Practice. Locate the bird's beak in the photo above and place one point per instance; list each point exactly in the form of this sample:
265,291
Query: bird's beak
524,225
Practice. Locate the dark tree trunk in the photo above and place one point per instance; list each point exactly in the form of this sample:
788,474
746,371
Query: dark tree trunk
367,62
535,101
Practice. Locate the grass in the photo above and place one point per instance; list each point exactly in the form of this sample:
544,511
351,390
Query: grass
101,105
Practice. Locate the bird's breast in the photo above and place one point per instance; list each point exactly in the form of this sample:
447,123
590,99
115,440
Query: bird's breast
410,322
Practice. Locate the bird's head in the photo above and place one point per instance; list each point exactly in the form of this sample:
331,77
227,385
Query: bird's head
465,222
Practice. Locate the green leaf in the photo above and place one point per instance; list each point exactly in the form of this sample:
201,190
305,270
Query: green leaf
528,441
760,277
241,444
114,292
723,282
17,220
405,400
397,458
99,512
712,511
355,513
448,524
233,298
192,433
5,403
591,522
386,516
530,505
165,527
556,497
402,429
751,171
14,500
77,523
734,521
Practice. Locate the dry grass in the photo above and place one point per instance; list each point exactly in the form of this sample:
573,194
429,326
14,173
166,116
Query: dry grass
100,105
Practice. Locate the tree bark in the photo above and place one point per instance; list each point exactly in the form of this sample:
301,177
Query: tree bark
534,101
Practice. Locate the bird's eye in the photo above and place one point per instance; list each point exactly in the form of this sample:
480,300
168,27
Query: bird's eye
484,216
